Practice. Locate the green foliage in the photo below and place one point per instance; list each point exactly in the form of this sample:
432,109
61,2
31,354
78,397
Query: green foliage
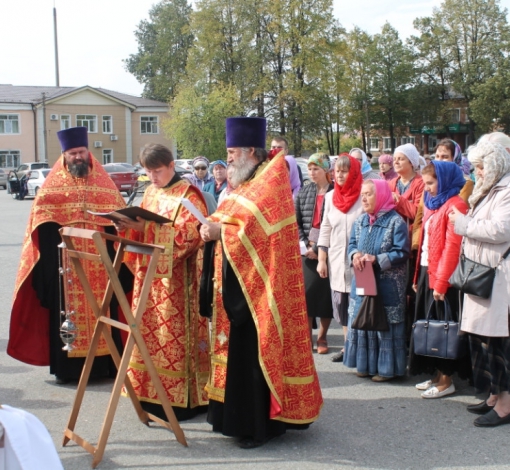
291,62
197,120
163,44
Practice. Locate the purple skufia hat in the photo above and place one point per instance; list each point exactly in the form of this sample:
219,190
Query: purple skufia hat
246,132
73,137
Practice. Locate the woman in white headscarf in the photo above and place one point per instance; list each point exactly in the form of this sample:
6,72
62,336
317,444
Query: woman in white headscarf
486,232
366,168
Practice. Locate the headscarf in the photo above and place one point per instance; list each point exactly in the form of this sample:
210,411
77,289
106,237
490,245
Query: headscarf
466,166
386,158
496,164
365,164
200,159
457,155
383,200
450,181
423,162
321,160
219,162
409,150
345,196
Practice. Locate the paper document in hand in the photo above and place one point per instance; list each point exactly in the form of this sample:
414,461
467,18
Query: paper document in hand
132,213
365,280
193,209
302,248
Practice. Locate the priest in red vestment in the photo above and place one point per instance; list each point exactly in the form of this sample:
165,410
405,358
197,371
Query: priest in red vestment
76,184
263,379
176,336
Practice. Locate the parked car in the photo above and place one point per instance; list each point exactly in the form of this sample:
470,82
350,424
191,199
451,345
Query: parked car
124,178
35,181
129,166
26,167
303,166
3,178
184,163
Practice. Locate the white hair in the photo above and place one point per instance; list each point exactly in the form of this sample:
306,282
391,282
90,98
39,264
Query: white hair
496,138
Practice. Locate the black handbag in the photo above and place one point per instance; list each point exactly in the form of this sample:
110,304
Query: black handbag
439,338
474,278
371,315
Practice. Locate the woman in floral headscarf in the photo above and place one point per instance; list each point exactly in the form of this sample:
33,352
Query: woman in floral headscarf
342,208
486,231
309,205
379,236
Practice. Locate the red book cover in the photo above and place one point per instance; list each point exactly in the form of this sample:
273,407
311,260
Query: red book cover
365,280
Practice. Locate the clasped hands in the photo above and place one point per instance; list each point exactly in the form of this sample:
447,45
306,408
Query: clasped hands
210,231
358,260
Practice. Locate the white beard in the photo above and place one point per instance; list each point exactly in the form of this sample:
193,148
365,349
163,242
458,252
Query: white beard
242,170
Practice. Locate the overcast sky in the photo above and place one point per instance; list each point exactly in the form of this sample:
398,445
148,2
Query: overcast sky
95,36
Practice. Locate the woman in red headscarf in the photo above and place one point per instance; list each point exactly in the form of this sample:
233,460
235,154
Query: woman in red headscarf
342,207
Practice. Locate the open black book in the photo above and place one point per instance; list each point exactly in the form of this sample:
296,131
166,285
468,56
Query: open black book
132,212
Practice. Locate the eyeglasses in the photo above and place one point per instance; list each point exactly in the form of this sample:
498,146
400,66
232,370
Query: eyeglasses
200,168
276,147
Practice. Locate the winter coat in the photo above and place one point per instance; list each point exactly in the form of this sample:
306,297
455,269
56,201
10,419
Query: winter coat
335,234
392,250
444,245
305,208
486,231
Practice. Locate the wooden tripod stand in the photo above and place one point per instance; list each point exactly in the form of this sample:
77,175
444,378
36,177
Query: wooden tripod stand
133,319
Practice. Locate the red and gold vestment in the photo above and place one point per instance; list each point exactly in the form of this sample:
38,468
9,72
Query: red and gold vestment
260,239
65,200
176,335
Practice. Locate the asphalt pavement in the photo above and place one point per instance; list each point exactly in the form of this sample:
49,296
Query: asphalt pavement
363,425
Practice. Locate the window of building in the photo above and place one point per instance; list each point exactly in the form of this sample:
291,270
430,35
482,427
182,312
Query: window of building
374,144
149,125
107,156
455,117
432,142
9,158
65,121
387,144
408,140
9,123
87,120
107,124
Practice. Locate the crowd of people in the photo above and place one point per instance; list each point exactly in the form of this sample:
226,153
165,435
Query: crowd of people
234,302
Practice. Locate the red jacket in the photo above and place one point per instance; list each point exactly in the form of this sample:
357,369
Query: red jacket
409,201
444,245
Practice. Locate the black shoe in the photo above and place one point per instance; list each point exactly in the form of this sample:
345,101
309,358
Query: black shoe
61,380
480,408
491,419
250,443
339,357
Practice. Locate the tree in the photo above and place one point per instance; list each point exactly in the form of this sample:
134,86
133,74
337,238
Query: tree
163,45
490,108
472,39
393,78
197,120
359,59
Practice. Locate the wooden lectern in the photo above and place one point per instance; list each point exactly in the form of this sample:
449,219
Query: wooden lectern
103,323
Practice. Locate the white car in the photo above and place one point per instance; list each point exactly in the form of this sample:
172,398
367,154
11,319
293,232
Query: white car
36,180
185,163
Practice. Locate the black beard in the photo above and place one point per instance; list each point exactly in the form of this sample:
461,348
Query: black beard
79,170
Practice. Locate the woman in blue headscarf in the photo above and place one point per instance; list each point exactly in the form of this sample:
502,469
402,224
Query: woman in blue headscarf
367,171
438,255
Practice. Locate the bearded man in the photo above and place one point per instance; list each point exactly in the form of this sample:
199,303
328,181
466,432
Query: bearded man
263,378
76,184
